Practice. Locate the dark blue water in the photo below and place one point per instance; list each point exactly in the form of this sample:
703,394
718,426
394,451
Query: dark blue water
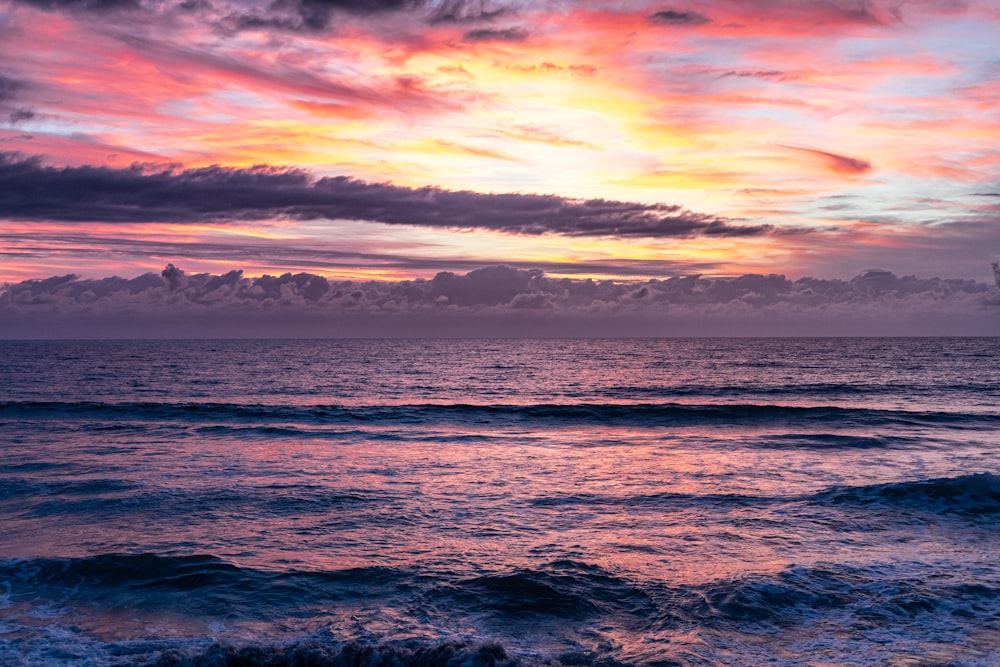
488,502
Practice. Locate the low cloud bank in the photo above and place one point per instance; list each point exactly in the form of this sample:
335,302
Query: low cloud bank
493,301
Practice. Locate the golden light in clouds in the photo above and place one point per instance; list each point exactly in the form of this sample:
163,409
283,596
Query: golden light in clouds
629,102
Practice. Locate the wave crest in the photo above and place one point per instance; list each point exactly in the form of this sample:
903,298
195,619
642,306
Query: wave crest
976,494
292,420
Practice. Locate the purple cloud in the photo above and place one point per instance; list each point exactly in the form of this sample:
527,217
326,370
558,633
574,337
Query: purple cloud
10,89
496,300
469,11
32,191
85,5
313,15
675,17
496,35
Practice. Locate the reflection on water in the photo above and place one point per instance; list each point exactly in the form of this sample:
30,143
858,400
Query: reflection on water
705,502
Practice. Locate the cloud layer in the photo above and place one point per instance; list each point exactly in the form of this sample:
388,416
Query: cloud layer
496,300
30,190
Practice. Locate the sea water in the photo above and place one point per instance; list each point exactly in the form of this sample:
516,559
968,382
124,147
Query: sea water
500,502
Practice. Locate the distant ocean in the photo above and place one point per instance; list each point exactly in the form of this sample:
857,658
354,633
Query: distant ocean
500,502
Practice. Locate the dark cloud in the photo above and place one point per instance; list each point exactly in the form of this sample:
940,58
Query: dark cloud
9,88
491,286
866,12
355,6
85,5
20,115
260,20
310,15
490,35
502,298
469,11
295,15
30,190
317,14
674,17
174,278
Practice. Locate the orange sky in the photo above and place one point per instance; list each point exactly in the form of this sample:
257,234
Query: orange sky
859,135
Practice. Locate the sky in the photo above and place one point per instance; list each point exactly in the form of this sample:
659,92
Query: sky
527,151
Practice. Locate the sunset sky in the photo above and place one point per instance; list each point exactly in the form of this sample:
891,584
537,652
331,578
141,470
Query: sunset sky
395,139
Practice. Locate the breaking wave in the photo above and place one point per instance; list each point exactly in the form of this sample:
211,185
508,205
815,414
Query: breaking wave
495,611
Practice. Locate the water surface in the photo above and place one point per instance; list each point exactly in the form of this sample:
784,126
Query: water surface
568,502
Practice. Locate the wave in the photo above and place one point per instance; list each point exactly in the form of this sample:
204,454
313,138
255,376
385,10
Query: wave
965,497
566,589
798,594
822,441
976,494
202,584
291,419
109,498
351,654
799,389
651,621
664,500
563,588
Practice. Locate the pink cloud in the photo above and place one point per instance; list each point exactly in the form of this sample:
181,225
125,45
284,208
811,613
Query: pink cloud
840,164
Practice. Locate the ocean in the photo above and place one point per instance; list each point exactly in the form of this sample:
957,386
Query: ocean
500,502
